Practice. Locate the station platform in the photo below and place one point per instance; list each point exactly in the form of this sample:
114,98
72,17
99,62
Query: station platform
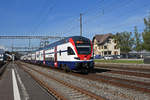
15,84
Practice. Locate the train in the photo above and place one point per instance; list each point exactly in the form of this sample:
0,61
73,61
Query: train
71,54
2,53
2,57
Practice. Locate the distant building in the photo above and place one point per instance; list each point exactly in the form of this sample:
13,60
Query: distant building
2,54
104,44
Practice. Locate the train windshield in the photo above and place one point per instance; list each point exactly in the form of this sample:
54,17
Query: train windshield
83,49
83,45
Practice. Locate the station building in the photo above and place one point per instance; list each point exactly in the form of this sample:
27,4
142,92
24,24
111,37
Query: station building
104,45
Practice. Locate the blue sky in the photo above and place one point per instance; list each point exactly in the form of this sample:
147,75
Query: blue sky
61,17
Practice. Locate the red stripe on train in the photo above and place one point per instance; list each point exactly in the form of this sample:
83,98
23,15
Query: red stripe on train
81,56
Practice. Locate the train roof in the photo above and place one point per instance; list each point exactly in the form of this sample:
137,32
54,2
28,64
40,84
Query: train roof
65,40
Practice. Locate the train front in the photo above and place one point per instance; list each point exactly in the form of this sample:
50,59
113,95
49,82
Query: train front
84,53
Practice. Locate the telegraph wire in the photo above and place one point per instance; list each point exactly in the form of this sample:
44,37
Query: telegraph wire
84,13
108,12
91,9
101,14
47,13
121,25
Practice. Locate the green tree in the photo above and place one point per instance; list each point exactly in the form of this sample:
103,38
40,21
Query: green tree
137,40
125,41
146,34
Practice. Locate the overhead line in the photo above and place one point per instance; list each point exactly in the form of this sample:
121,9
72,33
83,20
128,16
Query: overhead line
120,25
89,19
31,37
45,17
85,12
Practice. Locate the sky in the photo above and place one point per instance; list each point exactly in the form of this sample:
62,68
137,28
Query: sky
61,18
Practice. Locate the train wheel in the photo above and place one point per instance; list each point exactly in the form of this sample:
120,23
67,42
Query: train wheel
67,69
84,71
61,67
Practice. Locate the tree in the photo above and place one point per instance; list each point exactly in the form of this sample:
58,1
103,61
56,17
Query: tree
125,41
146,34
137,40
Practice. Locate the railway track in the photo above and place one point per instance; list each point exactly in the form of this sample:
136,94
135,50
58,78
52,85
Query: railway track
129,69
59,88
123,79
125,83
98,84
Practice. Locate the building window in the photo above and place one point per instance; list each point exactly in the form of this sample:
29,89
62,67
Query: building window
108,41
109,52
116,53
105,47
105,52
115,47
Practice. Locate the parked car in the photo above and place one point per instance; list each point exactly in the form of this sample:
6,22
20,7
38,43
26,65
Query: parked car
116,56
108,57
97,57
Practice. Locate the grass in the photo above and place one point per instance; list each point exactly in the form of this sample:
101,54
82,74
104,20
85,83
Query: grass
120,61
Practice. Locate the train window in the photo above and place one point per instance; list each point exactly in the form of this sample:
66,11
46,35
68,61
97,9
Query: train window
49,59
70,51
38,55
60,52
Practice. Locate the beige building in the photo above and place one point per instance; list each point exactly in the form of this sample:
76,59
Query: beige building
104,45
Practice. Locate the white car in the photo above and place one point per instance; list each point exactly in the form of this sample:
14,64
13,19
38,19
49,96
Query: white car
108,57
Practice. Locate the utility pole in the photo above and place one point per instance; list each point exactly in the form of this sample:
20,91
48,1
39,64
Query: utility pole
29,44
12,46
80,24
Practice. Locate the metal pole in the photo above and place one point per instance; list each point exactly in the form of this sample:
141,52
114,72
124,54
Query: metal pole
29,44
12,46
80,24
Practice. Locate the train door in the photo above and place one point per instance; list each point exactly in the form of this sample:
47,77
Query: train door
55,57
35,58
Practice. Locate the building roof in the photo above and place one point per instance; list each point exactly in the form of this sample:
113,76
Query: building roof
101,38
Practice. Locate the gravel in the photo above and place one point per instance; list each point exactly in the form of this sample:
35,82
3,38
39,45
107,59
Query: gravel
128,77
107,91
68,93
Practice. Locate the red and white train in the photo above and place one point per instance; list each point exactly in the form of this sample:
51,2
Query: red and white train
72,53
